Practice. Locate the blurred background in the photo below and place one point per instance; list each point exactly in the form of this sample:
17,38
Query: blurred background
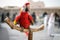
11,8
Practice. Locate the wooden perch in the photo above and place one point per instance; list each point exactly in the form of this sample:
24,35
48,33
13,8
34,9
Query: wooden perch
11,24
39,29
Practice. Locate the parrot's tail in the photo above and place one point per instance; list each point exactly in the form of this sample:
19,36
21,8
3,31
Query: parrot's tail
26,33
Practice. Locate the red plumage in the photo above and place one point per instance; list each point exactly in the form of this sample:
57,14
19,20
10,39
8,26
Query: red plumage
24,19
27,4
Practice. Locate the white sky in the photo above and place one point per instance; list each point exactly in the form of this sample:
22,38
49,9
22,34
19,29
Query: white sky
12,3
48,3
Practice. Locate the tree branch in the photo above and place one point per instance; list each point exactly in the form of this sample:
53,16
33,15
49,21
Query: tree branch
8,21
